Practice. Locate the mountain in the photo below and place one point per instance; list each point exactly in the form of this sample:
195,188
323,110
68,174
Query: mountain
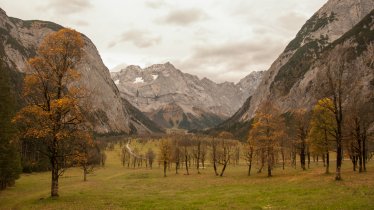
174,99
110,114
294,79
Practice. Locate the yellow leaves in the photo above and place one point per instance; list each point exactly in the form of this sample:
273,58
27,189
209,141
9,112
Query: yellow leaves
64,42
225,135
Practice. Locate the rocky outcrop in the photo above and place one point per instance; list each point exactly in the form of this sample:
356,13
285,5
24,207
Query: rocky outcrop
108,114
175,99
293,79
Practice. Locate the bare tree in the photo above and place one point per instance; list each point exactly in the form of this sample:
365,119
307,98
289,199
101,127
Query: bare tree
165,153
150,157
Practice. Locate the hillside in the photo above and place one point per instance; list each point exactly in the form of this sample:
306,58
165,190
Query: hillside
294,79
109,115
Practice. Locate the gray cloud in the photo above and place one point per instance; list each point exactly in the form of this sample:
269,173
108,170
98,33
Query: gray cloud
67,6
183,17
292,21
232,60
81,23
140,38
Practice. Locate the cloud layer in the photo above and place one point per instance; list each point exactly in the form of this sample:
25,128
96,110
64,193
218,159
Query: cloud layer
183,17
65,7
140,38
219,39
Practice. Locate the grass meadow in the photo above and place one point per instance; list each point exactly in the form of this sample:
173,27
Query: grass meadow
117,187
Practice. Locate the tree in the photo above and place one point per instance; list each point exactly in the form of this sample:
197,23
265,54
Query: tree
165,153
53,113
177,155
88,154
335,71
214,155
197,152
322,129
150,156
267,133
225,150
302,125
10,166
250,149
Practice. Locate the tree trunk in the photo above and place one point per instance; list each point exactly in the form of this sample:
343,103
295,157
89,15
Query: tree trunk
269,170
283,159
198,157
84,174
186,163
364,152
165,166
54,185
327,162
176,167
302,159
338,161
224,168
354,162
308,154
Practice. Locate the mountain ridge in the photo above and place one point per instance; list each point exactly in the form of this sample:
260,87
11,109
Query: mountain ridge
291,82
201,102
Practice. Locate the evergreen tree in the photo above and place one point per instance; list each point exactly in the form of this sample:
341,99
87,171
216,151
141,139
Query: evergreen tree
10,166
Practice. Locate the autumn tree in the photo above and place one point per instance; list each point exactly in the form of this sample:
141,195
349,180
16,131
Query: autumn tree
53,113
322,129
88,154
267,132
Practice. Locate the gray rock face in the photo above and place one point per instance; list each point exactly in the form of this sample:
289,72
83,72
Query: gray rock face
159,89
291,82
108,114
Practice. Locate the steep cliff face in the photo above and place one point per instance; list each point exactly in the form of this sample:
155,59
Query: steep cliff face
19,42
175,99
292,80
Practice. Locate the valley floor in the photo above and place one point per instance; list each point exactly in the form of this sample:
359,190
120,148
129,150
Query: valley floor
115,187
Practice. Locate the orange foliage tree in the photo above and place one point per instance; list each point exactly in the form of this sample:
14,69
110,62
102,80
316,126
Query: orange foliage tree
53,113
266,133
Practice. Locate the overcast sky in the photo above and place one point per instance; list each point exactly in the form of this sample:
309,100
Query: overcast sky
219,39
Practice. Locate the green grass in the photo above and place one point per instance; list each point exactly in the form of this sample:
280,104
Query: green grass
115,187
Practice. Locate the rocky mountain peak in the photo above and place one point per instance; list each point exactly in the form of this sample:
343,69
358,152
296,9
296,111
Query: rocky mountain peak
153,87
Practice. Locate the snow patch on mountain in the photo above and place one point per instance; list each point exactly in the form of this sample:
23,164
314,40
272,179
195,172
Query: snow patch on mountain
138,80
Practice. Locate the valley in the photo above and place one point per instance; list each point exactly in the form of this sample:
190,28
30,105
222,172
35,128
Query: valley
219,106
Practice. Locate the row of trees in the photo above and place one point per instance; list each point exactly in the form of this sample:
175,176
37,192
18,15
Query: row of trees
189,151
185,152
329,126
276,138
